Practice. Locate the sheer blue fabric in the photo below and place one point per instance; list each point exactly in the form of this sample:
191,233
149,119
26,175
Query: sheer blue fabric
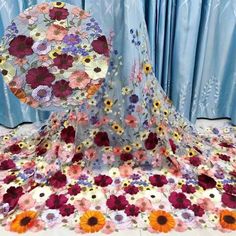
196,71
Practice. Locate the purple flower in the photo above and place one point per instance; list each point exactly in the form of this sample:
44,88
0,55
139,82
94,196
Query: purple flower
42,93
41,47
72,39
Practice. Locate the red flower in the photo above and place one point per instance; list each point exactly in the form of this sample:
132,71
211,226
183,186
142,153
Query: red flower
126,156
74,190
40,150
224,157
67,210
58,13
58,180
229,200
7,165
12,196
132,210
198,211
188,188
179,200
100,45
195,161
131,189
68,134
15,149
101,139
8,179
172,145
21,46
206,182
158,180
62,89
63,61
102,180
56,201
117,203
39,76
77,157
229,188
151,142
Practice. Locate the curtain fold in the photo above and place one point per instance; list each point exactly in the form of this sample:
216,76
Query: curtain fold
192,49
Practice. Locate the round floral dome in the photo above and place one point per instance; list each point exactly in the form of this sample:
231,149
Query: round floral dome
54,55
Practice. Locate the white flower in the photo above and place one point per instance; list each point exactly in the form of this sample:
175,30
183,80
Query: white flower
41,194
51,217
186,215
8,72
212,194
153,195
94,196
38,34
96,69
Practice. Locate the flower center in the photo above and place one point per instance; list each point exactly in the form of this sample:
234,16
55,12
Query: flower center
161,220
97,69
229,219
92,221
25,221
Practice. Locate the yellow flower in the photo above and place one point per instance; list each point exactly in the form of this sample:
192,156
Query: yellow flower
86,60
137,145
22,144
115,126
191,152
54,53
79,148
2,60
92,221
108,103
126,90
219,185
120,131
127,148
177,136
107,110
147,68
156,104
58,4
166,112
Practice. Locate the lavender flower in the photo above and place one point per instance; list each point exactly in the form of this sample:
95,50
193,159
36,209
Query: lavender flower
72,39
42,93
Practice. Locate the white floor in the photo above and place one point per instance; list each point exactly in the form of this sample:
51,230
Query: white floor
65,232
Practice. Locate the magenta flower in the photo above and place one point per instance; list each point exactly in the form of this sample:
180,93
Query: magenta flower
21,46
39,76
62,89
7,165
132,210
126,156
195,161
100,45
77,157
198,211
58,180
8,179
151,142
131,189
206,182
179,200
102,180
74,190
229,200
188,188
117,203
229,188
158,180
101,139
224,157
67,210
56,201
68,134
12,196
63,61
58,13
15,149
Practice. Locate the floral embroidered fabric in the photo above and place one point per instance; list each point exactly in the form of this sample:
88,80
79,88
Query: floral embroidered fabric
123,157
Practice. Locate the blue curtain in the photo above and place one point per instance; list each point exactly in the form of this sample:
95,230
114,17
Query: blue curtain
192,45
193,50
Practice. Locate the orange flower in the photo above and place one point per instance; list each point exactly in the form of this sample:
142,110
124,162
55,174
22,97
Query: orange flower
43,8
228,219
92,221
92,90
56,32
23,221
161,221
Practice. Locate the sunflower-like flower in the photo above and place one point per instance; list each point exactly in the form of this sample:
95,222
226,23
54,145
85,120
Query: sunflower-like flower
161,221
23,221
58,4
147,68
92,221
228,219
108,103
156,104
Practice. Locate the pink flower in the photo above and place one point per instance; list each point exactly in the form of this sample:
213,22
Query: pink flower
140,156
26,202
131,121
74,171
79,79
109,227
82,205
82,118
125,170
80,13
28,17
56,32
180,226
206,204
38,225
108,158
90,154
144,204
43,8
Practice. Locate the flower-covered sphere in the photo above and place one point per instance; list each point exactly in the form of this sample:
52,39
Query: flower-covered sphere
49,49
